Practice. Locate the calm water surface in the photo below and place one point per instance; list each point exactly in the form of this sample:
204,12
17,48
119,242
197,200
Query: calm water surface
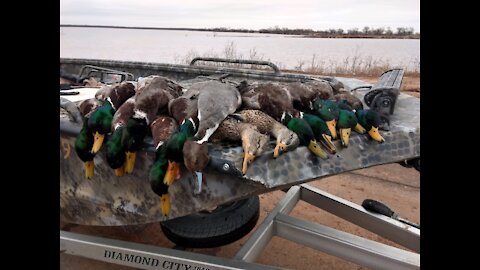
177,47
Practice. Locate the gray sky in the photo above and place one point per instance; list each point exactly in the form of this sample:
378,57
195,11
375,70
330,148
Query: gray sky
251,14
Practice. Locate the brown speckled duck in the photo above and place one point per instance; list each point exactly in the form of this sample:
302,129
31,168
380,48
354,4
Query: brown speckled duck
286,139
273,99
254,143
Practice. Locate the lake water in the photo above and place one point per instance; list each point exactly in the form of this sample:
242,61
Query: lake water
177,47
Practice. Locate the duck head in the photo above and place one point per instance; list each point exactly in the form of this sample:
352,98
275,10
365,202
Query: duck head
254,144
321,131
115,152
328,111
195,158
100,124
83,146
305,135
370,120
346,122
175,149
132,139
156,176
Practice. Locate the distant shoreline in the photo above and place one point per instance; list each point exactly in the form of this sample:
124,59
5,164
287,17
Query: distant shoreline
317,34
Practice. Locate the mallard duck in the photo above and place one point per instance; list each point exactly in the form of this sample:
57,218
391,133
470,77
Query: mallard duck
149,102
163,127
253,142
100,121
345,97
175,152
273,99
157,173
320,131
116,152
83,145
305,134
215,101
84,140
370,120
303,93
345,123
195,159
328,111
285,138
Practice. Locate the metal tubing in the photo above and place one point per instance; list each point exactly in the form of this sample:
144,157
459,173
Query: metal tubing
260,238
144,256
389,228
344,245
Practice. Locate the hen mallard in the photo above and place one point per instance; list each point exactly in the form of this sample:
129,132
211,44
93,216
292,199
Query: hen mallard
286,139
254,143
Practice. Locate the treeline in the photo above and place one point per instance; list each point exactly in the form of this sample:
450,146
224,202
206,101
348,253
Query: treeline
405,32
365,32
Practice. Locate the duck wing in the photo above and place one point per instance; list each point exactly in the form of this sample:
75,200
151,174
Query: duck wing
120,93
121,116
86,107
162,128
154,98
216,100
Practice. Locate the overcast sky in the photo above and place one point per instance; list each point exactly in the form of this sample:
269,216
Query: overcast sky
250,14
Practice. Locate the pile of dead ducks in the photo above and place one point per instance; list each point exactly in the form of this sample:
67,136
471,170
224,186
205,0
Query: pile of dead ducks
182,119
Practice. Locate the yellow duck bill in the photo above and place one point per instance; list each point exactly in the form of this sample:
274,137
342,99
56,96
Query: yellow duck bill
280,147
375,134
317,150
97,142
359,129
332,126
130,161
165,204
89,168
120,171
345,135
247,160
173,172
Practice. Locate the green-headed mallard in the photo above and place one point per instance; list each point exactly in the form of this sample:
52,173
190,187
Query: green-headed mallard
150,102
328,111
253,142
305,134
116,155
370,120
286,140
163,127
174,147
157,173
84,140
320,130
101,119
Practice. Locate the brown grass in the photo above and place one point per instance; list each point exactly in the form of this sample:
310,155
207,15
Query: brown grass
355,65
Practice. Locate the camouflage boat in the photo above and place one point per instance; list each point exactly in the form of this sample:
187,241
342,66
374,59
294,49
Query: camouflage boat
108,200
